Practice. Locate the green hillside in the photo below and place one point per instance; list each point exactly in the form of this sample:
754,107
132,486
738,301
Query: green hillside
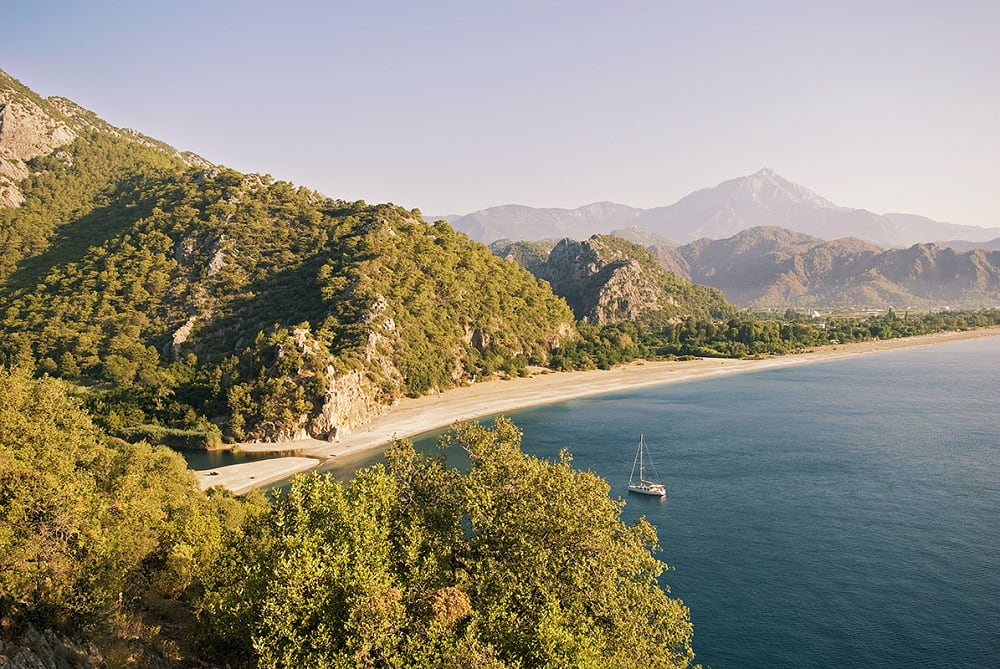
192,296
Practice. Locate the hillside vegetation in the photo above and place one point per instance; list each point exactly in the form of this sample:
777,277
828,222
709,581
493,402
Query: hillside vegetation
148,298
201,298
516,562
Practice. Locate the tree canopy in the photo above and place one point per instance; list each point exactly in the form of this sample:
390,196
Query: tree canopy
89,526
516,562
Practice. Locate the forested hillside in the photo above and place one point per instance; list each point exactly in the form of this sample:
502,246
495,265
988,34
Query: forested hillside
146,296
199,298
149,297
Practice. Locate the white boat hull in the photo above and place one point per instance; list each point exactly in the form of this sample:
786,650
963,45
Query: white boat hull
649,489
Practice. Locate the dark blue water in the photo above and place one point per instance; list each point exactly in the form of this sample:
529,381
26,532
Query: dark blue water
842,514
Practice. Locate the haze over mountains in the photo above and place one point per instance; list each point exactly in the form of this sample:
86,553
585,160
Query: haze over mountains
764,198
772,267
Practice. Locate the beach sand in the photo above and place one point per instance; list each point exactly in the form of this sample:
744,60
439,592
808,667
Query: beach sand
411,417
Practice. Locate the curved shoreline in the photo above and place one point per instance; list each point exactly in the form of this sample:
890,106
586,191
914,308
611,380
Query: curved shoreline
411,417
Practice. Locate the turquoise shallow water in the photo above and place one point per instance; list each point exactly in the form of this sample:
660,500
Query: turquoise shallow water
842,514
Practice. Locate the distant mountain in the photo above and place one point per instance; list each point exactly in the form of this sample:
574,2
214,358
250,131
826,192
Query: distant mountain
912,229
775,267
639,235
962,245
527,223
764,198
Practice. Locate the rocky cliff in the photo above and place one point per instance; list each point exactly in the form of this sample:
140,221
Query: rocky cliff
34,649
28,128
606,279
32,126
601,284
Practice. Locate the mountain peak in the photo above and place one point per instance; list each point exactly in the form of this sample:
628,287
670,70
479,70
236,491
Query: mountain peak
770,190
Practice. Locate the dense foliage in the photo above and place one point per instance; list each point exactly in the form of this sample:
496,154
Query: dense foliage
92,528
515,562
746,336
70,192
177,291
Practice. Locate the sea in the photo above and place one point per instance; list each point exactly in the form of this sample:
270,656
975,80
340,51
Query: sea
837,514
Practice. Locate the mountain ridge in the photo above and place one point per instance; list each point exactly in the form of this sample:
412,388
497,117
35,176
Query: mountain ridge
513,221
32,126
768,267
760,199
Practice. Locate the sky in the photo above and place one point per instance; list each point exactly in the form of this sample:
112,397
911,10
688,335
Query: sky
451,107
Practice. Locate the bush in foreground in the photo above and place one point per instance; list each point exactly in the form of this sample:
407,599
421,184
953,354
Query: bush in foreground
515,562
92,528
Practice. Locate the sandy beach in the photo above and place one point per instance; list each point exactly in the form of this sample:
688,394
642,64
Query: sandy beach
411,417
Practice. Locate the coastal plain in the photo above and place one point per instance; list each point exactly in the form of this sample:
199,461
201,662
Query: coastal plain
414,416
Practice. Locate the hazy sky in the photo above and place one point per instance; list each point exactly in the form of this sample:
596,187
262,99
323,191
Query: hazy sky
458,106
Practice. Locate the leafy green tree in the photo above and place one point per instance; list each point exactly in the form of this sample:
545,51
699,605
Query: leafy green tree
517,562
556,578
91,527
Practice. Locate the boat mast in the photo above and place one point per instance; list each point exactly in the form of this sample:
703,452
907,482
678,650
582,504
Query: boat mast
638,460
642,459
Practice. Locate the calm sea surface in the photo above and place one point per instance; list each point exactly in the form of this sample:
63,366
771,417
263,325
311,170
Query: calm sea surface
842,514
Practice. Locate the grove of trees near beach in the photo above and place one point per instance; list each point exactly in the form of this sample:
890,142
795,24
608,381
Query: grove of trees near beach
513,562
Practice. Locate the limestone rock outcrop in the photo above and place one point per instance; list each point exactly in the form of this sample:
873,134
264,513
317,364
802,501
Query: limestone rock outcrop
349,402
32,126
605,279
27,130
341,400
34,649
601,284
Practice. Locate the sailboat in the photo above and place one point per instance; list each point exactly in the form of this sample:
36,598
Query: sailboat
642,486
